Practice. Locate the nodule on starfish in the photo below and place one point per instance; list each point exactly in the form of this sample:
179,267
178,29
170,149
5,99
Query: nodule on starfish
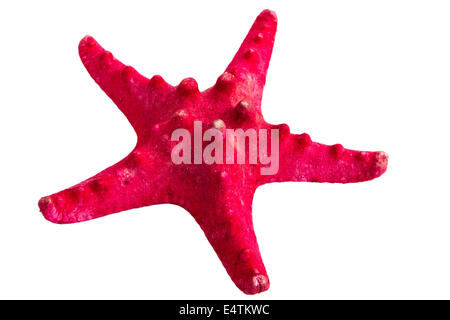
218,196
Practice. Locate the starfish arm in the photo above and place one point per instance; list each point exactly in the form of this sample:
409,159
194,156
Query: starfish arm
129,90
125,185
300,159
225,216
251,61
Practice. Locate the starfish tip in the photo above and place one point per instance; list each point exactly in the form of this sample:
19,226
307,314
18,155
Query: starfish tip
382,159
48,209
269,15
256,284
87,41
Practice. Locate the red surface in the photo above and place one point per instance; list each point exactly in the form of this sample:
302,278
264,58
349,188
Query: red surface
218,196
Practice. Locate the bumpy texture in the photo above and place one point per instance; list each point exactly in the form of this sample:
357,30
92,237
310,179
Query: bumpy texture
219,196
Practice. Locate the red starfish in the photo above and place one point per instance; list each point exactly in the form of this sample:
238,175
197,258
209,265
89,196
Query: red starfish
219,196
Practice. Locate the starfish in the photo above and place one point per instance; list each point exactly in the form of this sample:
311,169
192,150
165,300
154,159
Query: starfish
218,196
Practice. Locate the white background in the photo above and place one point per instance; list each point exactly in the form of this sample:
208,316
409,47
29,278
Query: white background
372,75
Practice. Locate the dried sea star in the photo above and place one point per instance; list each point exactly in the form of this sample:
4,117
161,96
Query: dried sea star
219,196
